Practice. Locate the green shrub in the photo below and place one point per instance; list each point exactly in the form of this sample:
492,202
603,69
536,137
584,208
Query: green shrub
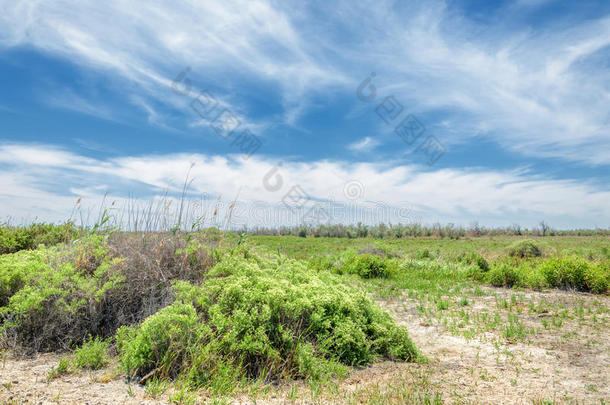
255,318
524,248
93,354
370,266
48,301
14,239
504,275
53,298
573,272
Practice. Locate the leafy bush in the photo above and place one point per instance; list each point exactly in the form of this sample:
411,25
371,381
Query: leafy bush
504,275
54,298
524,248
49,302
370,266
259,319
14,239
93,354
574,273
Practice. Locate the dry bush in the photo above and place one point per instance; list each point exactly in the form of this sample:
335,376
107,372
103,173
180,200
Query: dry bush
151,262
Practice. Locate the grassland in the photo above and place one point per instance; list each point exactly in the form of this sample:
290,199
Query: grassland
209,316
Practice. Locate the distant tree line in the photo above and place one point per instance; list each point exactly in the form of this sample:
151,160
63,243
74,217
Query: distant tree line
437,230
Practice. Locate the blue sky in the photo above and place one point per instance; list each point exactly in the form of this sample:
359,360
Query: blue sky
513,97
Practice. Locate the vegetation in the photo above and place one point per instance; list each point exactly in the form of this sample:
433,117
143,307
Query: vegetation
261,319
14,239
93,354
525,248
219,311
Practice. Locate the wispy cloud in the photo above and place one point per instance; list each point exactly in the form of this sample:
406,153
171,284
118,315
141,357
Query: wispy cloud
537,91
366,144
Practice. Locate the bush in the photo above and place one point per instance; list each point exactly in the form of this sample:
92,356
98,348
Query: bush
504,275
53,298
14,239
259,319
48,302
93,354
475,259
574,273
370,266
525,248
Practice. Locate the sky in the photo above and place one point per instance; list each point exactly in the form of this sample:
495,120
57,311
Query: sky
284,112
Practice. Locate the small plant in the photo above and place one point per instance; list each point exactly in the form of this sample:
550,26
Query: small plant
525,248
93,354
59,370
422,254
156,387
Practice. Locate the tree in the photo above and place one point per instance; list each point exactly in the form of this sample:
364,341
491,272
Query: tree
544,227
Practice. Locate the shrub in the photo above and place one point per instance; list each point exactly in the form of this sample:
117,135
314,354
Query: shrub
504,275
370,266
525,248
474,258
48,302
93,354
14,239
259,319
54,298
574,273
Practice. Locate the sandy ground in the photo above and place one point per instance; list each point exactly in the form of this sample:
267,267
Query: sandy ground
561,364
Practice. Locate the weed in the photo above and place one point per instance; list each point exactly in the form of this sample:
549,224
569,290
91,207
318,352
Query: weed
59,370
93,354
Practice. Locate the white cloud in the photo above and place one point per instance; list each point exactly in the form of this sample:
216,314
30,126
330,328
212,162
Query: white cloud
32,176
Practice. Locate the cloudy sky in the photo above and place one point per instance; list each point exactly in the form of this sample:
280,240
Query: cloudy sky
437,111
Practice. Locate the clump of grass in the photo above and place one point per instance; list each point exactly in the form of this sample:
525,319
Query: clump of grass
474,258
155,387
258,319
525,248
62,368
92,355
422,254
